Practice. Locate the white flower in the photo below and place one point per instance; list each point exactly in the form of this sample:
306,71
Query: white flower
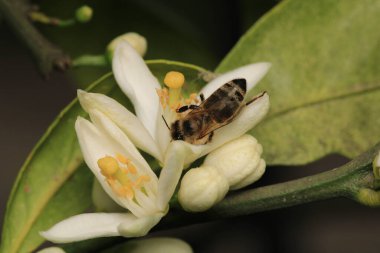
147,130
126,177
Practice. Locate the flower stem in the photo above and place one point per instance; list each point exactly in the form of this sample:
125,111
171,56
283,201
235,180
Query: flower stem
47,55
348,181
90,60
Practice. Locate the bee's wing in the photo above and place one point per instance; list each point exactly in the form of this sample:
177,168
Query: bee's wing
210,128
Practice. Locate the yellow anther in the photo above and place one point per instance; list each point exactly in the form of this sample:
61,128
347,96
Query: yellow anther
122,175
174,79
122,158
132,169
193,96
188,101
129,192
140,180
125,191
108,166
163,95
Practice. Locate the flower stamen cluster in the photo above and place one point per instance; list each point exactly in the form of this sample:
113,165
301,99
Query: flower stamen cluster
122,176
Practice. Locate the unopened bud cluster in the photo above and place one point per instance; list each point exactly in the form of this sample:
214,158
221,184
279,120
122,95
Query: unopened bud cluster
230,167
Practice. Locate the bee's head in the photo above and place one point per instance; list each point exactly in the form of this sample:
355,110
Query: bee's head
175,131
177,136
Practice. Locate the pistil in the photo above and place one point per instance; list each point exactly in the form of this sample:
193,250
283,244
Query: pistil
174,81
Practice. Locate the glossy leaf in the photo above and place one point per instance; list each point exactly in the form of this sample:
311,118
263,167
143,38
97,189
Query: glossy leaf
54,183
324,83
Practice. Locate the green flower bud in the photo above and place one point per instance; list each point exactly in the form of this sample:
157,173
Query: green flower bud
84,14
137,41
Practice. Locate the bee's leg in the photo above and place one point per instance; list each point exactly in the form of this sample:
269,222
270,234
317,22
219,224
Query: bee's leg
202,97
166,123
255,98
182,109
186,107
192,107
210,137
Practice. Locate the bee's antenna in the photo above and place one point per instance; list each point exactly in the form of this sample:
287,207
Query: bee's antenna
257,97
166,123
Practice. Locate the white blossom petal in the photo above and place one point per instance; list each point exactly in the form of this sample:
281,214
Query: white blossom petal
126,120
171,172
138,83
95,144
139,227
86,226
253,73
163,133
102,201
120,139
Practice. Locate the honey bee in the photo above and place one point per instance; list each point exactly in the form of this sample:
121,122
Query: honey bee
219,109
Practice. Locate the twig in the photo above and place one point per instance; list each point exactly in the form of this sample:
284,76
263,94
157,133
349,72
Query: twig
47,55
353,180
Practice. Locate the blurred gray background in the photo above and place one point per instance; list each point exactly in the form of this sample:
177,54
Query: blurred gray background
29,104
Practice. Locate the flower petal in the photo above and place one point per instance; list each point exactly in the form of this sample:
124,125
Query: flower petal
138,83
95,144
253,73
163,133
119,138
85,226
171,172
103,202
126,120
140,226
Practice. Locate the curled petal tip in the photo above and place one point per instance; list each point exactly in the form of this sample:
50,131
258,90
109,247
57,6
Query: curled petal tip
80,92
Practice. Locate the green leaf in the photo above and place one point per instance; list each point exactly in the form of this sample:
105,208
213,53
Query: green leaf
324,83
54,183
